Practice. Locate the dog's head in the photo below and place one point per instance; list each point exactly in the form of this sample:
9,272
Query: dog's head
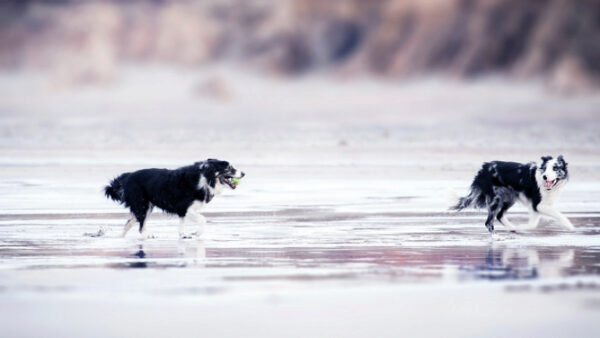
553,171
219,172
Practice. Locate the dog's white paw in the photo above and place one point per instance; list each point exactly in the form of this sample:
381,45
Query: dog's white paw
101,232
197,234
497,236
515,230
186,236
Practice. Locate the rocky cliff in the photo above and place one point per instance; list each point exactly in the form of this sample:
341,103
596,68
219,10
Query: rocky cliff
554,39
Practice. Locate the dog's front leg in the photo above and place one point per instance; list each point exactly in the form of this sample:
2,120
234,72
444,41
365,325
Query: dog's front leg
509,225
181,229
189,217
192,217
534,220
550,212
201,220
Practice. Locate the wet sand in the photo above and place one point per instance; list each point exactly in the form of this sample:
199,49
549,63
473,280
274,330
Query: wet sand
340,228
381,265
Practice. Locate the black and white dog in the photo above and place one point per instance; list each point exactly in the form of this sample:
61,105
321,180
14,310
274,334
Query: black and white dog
498,185
182,191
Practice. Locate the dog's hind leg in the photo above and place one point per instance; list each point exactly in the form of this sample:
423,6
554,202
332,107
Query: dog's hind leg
143,226
505,221
128,225
145,233
140,214
493,210
141,210
489,222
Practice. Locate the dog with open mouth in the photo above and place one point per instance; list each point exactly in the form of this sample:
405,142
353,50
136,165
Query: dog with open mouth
498,185
182,192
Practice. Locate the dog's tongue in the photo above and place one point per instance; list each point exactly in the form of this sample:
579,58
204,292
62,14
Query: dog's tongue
549,184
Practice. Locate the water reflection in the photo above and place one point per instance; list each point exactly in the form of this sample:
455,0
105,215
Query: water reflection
403,264
156,255
141,263
194,249
159,255
389,264
501,263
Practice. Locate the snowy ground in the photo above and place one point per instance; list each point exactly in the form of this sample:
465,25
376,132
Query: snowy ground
339,229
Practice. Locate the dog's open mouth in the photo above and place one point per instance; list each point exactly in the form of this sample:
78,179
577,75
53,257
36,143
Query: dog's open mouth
550,184
229,181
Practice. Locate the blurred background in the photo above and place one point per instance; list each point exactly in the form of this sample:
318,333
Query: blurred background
84,42
251,76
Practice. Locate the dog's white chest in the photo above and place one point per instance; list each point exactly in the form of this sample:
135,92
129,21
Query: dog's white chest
218,188
196,206
550,197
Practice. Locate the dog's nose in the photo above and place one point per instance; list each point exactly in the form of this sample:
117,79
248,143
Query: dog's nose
243,174
544,177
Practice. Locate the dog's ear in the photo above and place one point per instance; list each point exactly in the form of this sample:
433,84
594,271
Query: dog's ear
217,164
546,159
215,161
222,165
562,161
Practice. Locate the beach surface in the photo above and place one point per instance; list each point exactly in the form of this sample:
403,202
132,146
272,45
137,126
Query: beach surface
341,227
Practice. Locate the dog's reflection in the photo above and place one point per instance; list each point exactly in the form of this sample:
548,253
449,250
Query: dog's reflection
552,263
503,262
194,250
141,263
185,253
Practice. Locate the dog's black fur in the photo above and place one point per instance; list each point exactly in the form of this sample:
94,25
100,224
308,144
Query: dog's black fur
498,185
173,191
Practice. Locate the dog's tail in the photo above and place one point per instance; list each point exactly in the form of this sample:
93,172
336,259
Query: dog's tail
114,190
472,199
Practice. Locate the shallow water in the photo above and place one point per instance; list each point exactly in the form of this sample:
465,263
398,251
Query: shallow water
288,267
256,236
339,229
308,244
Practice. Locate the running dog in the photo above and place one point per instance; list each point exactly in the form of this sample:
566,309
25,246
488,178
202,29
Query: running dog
498,185
182,192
